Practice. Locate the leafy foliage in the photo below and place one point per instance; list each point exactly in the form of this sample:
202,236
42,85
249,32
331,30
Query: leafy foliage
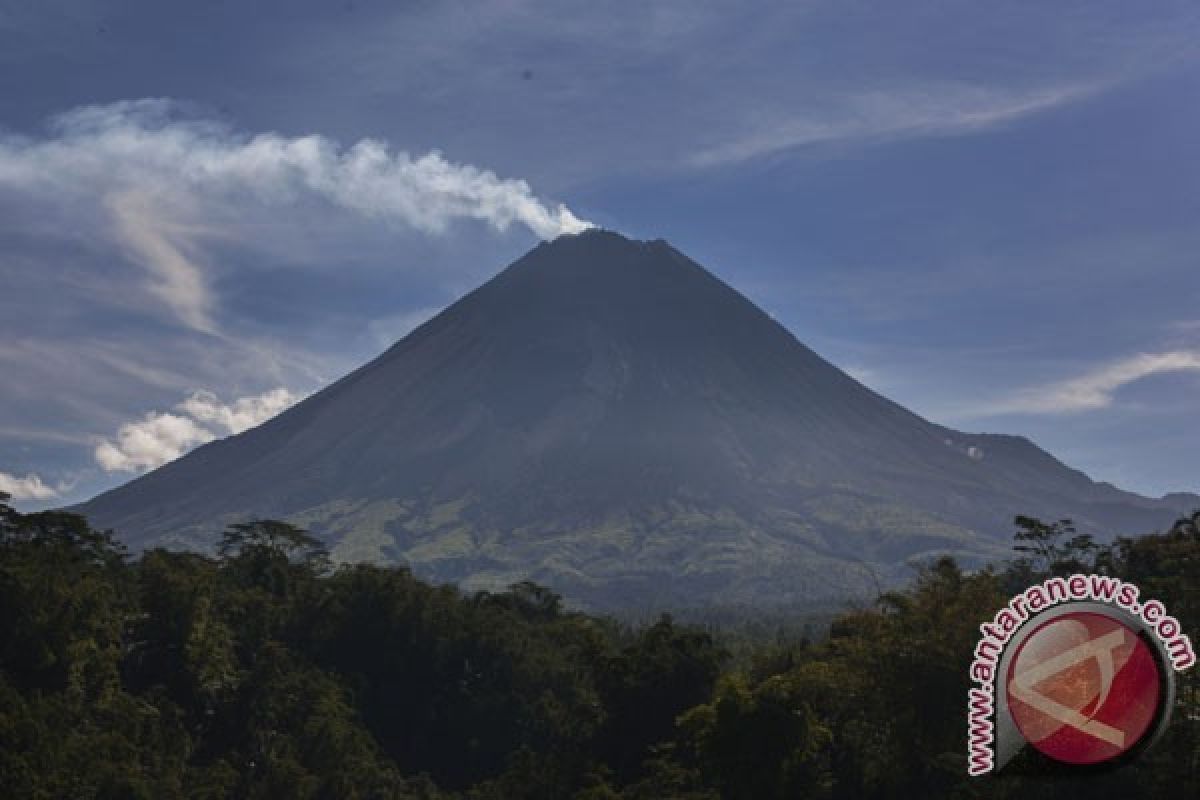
265,672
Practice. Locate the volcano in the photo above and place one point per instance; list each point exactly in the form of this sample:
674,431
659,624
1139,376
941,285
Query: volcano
609,419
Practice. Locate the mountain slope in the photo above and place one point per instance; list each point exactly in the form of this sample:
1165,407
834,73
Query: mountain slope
607,417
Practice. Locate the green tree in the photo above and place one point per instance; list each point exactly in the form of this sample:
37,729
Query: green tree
648,684
1054,548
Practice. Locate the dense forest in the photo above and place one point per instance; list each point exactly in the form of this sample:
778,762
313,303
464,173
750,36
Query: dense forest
265,671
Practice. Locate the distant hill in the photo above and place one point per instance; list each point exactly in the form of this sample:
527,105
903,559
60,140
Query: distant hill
608,418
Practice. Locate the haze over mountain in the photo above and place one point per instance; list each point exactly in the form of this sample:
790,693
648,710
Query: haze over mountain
608,418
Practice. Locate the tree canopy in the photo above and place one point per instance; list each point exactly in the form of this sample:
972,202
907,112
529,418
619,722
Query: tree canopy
264,671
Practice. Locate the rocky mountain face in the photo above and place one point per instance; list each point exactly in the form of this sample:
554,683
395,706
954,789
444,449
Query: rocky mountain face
608,418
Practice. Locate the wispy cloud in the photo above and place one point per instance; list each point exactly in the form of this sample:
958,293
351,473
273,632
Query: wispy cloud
388,330
1185,326
1095,389
158,178
160,437
162,247
31,487
939,110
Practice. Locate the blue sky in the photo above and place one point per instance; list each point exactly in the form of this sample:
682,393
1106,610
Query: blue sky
985,211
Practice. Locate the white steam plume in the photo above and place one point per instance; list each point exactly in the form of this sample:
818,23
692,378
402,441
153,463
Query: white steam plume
153,175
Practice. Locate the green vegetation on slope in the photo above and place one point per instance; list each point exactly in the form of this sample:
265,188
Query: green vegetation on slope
267,672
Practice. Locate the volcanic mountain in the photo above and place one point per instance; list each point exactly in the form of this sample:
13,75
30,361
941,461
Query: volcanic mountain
608,418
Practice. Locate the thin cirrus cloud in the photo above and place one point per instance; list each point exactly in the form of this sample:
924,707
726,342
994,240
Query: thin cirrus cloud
1095,389
156,180
388,330
937,110
159,437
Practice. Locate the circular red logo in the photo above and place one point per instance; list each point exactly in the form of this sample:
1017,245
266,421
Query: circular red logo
1084,688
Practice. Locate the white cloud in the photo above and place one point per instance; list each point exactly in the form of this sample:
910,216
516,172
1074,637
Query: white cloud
1095,389
159,180
30,487
874,115
150,442
160,437
242,414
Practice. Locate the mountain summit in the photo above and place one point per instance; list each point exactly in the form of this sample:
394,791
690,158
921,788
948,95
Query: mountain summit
608,418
